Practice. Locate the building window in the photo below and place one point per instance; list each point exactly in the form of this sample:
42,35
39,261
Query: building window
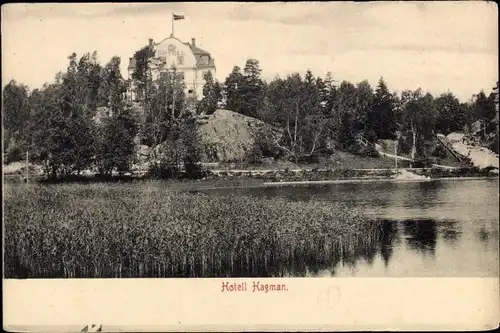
162,52
204,60
180,59
171,49
180,75
190,91
204,74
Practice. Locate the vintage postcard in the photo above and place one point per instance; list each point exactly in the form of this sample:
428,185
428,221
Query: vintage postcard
280,166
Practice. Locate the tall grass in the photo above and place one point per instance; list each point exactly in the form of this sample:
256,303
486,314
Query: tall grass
126,230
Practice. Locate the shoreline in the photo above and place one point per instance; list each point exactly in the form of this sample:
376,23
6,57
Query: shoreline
269,178
371,180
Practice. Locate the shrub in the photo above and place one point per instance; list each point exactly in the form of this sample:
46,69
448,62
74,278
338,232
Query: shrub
13,154
309,159
371,136
440,152
162,170
361,150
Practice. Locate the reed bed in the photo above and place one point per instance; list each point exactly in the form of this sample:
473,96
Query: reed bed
126,230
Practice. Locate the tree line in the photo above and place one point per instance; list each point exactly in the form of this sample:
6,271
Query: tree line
317,114
62,126
82,121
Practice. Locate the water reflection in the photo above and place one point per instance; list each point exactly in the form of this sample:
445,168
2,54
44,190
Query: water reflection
388,238
420,235
436,228
451,231
483,235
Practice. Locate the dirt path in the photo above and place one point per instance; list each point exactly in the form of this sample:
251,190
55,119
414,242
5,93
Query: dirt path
379,149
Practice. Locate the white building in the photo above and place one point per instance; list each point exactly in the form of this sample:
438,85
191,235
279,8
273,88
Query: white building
192,64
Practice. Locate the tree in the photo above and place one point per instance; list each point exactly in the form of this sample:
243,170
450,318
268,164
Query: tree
115,147
15,119
189,145
311,95
484,110
314,121
112,85
344,119
322,93
15,109
212,95
88,76
284,96
164,106
329,93
232,88
63,131
141,76
115,140
294,105
381,118
364,103
451,114
418,120
484,107
251,89
64,139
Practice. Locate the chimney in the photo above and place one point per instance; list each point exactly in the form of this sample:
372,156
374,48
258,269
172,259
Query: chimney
193,41
151,42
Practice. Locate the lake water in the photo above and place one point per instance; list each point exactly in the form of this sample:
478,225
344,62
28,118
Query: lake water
437,228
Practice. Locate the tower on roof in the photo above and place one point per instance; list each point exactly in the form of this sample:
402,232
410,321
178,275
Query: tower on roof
192,64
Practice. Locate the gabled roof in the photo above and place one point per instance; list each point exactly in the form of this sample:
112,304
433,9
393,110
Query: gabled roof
196,50
170,37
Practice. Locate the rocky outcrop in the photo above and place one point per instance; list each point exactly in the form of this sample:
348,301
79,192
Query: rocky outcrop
227,136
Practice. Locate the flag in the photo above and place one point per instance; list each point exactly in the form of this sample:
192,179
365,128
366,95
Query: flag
178,17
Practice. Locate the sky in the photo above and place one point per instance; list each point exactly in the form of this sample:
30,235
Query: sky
437,46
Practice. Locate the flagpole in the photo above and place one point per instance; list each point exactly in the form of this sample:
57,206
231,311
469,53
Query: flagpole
172,24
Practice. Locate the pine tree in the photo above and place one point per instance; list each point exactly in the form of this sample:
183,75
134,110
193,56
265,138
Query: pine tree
381,119
211,96
322,93
251,91
232,88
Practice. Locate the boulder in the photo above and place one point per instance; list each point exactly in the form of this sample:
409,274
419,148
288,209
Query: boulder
227,136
